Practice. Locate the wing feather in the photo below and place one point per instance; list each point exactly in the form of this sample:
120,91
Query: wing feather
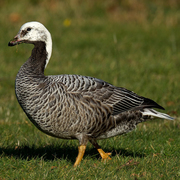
120,99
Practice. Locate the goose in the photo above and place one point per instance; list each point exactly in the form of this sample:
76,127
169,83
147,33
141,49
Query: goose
74,106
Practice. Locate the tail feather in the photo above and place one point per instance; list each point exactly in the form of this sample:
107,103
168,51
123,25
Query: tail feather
152,112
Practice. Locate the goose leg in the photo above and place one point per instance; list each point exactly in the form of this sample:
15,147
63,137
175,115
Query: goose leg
104,155
81,152
101,152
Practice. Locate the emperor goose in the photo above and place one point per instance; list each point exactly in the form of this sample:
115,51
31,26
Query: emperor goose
73,106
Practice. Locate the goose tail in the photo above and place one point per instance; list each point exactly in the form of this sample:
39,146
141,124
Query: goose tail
152,112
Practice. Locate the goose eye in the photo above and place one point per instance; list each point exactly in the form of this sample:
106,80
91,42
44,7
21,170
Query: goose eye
28,29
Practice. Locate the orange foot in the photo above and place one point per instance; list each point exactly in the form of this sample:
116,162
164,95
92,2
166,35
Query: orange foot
104,155
81,149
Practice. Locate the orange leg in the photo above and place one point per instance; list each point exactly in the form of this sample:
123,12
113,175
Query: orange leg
101,152
81,149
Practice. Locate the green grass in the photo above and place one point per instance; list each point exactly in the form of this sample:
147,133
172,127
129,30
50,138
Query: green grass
133,44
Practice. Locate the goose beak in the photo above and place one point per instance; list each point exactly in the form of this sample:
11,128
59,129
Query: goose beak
15,41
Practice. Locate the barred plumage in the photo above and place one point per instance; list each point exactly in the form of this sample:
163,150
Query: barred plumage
73,106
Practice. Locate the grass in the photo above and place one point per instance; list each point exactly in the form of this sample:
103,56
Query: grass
133,44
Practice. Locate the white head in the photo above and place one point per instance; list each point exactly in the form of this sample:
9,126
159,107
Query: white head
32,32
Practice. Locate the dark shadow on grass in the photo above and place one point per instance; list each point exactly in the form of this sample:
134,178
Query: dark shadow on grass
52,152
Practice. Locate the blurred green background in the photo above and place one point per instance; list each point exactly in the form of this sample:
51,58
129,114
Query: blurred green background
133,44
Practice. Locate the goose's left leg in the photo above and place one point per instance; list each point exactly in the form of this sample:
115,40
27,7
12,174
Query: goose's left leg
83,140
81,152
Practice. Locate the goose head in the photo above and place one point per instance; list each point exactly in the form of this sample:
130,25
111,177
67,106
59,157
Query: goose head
31,33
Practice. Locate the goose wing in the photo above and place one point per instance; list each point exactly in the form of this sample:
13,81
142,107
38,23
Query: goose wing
120,99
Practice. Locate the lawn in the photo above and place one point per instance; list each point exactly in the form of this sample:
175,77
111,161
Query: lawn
131,44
